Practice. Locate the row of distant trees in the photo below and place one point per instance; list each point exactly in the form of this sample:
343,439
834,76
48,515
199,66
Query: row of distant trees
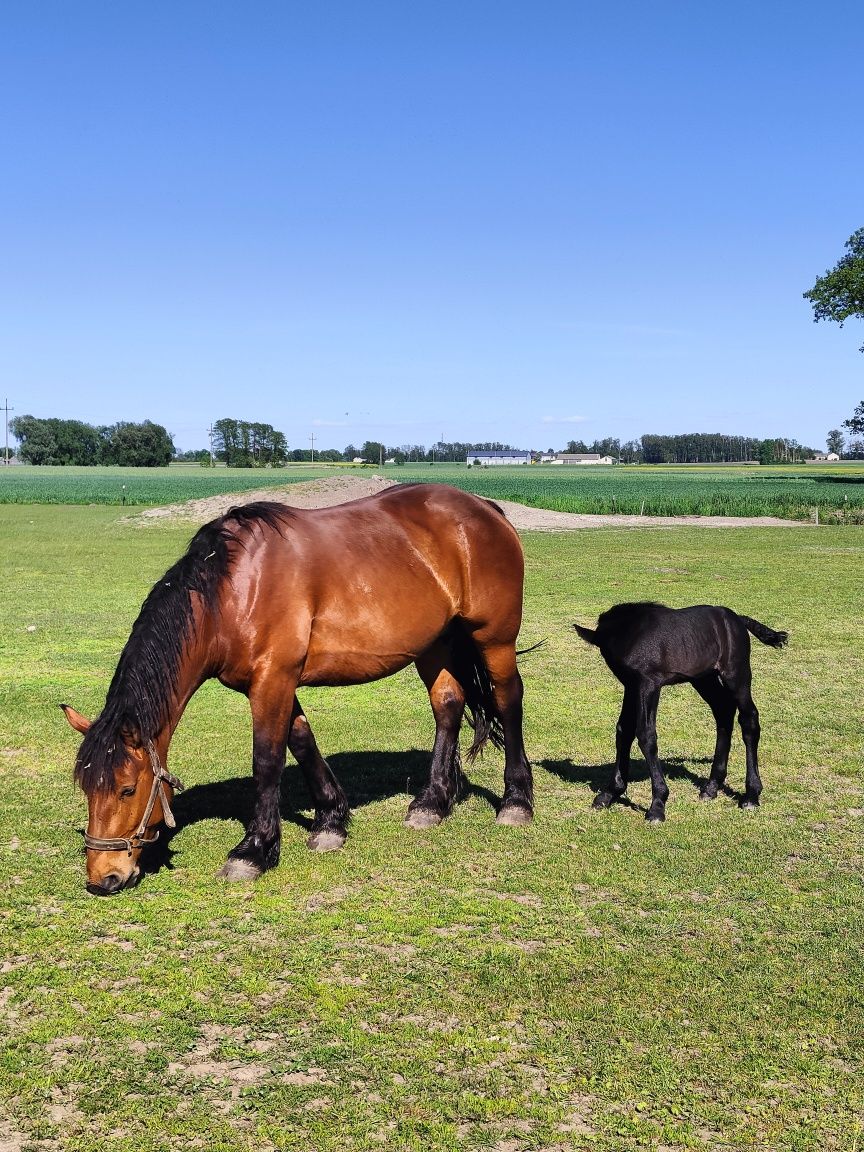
53,441
245,444
697,448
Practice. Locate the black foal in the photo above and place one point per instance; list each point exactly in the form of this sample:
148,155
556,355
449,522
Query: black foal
648,646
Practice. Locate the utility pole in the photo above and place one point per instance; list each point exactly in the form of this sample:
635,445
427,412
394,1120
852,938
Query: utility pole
7,410
312,438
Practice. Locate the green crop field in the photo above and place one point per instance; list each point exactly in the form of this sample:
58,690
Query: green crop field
837,491
24,484
588,982
657,490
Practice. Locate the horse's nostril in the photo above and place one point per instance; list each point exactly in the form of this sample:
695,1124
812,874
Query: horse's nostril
107,885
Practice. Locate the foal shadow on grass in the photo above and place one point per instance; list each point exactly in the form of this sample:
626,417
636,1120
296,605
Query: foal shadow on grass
365,777
598,776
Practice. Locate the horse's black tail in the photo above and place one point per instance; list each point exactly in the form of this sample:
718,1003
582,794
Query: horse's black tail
766,635
476,683
587,634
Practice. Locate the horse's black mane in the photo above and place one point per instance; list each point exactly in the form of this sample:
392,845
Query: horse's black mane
142,690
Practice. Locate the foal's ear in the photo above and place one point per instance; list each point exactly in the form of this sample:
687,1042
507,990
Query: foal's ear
79,723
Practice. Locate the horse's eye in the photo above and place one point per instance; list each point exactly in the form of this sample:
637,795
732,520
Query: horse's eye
128,791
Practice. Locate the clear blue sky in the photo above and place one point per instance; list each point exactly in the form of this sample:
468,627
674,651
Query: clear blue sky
526,222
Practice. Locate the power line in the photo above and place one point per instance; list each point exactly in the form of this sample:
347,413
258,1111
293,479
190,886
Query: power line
7,410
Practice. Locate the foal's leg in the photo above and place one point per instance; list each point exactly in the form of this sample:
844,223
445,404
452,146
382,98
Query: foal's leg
646,734
748,718
271,703
722,703
625,733
330,827
447,698
517,804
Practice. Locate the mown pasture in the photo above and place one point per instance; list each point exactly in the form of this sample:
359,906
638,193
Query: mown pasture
588,982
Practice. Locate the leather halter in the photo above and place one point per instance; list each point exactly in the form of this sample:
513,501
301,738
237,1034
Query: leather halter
138,839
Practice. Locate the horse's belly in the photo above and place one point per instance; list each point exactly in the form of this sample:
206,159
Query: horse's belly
323,669
367,648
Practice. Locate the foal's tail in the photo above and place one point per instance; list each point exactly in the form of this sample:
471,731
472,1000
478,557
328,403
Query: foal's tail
766,635
587,634
473,675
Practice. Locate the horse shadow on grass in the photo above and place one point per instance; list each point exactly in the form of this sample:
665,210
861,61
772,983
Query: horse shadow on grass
599,776
365,777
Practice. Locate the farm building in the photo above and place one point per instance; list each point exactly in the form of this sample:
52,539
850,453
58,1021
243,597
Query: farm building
505,457
582,458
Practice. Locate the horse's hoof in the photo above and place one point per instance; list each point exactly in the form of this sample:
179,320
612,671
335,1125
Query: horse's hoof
422,818
326,841
238,870
514,816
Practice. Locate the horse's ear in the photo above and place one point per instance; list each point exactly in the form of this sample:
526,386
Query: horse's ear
79,723
131,735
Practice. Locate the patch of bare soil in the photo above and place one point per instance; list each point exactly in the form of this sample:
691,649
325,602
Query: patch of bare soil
527,519
340,489
306,494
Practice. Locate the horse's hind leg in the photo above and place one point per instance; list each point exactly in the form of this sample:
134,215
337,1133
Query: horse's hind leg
722,703
447,698
517,804
646,734
625,734
330,827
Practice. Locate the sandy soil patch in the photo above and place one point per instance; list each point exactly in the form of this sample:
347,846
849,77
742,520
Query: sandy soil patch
340,489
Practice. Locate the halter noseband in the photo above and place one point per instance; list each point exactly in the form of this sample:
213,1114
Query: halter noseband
138,839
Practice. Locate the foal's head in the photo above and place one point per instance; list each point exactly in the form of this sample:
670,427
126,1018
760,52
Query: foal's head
128,794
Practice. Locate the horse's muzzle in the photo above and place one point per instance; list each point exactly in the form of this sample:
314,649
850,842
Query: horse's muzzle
113,882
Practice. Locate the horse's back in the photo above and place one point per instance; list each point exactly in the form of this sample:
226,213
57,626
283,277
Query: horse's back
363,588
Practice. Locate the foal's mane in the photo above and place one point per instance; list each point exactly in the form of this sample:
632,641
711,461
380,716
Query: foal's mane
143,687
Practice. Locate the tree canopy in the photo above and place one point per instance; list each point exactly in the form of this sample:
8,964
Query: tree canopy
839,294
855,423
245,444
54,441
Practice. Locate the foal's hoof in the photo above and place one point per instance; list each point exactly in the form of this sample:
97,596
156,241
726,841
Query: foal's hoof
238,870
422,818
326,841
514,816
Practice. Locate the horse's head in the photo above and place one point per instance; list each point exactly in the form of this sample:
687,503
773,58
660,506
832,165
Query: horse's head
126,800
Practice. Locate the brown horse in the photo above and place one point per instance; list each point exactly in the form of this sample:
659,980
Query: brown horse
270,598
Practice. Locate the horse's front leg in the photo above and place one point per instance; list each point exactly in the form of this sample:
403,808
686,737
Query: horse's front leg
271,702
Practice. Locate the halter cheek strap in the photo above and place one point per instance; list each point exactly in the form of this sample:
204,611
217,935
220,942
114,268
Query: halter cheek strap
139,837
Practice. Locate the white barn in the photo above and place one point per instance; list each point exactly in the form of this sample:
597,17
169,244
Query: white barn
505,457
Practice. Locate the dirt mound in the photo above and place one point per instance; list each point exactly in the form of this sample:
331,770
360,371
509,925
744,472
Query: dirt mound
340,489
306,494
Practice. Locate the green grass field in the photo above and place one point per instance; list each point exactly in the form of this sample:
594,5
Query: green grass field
589,982
837,491
24,484
655,490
